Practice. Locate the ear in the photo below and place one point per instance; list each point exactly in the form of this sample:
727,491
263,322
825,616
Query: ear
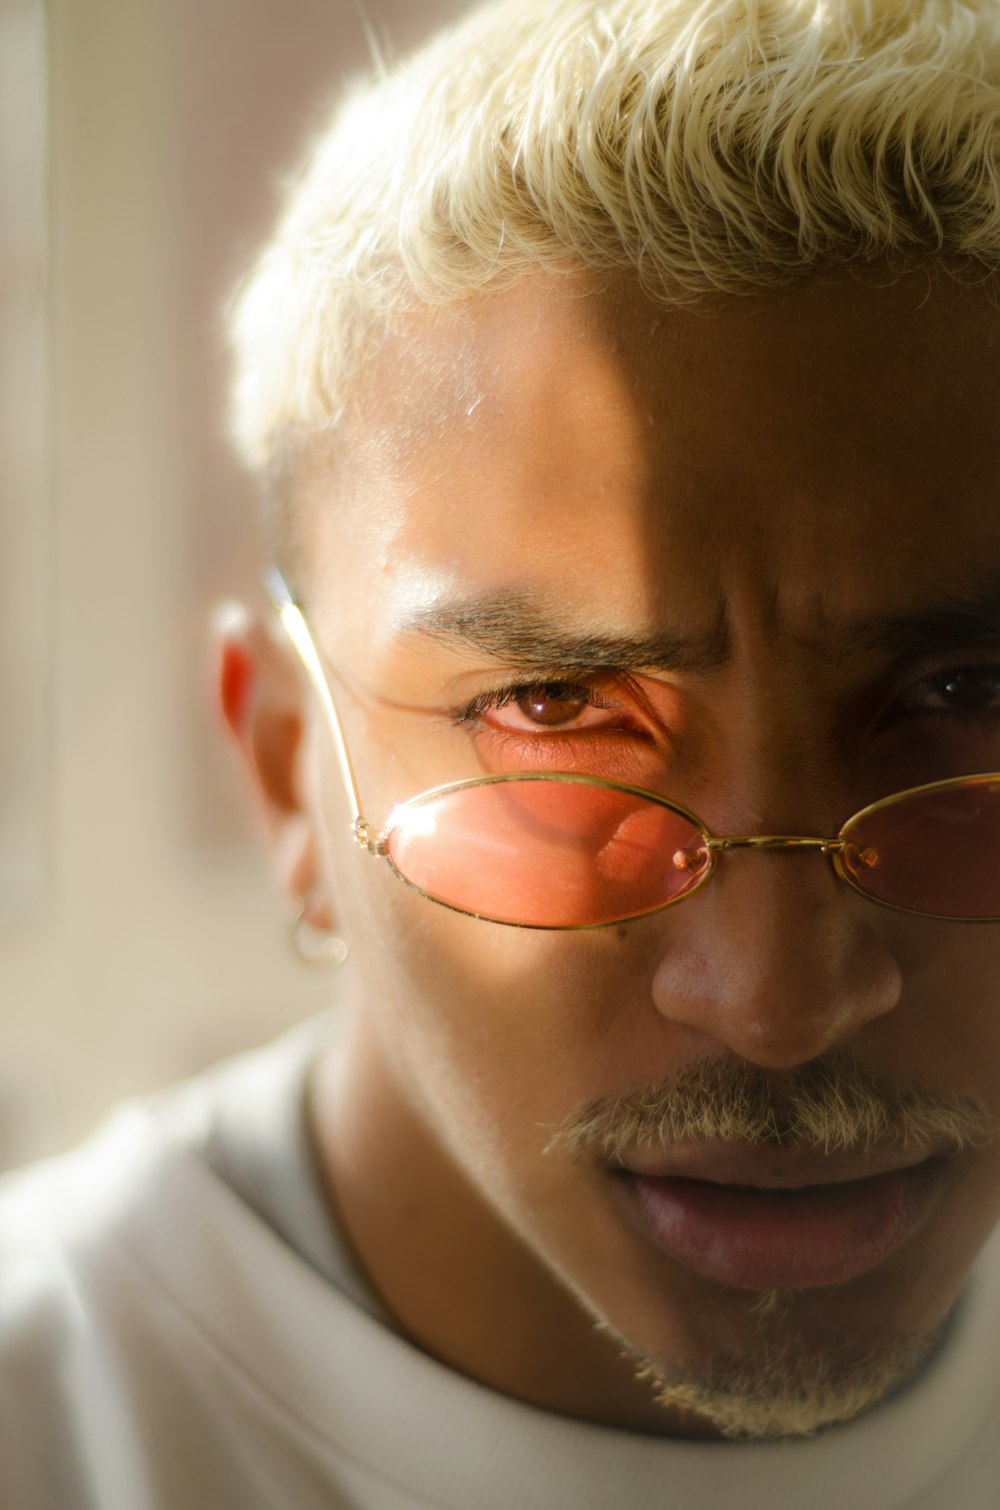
260,695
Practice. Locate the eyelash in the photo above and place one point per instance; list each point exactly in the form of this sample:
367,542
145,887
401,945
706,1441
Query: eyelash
933,685
590,696
514,692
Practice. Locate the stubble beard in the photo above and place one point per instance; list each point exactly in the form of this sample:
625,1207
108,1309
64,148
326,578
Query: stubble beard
783,1386
784,1383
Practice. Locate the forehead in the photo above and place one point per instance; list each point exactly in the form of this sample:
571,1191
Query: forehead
796,459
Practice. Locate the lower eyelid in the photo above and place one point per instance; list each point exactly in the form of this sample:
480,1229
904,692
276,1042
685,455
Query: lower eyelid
578,738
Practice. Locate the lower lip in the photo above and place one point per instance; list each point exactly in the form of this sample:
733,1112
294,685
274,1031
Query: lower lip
755,1240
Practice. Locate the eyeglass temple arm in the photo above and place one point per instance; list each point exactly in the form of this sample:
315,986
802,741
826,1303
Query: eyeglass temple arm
297,630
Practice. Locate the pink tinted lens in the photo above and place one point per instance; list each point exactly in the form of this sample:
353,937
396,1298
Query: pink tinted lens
936,851
548,853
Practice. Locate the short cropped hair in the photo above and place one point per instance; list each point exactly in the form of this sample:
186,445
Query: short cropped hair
711,146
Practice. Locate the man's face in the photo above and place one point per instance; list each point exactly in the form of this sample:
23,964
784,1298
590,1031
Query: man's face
738,556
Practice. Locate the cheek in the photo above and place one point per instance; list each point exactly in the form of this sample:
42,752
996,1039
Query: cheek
500,1032
947,1028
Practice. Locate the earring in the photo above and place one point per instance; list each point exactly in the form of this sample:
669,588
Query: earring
312,945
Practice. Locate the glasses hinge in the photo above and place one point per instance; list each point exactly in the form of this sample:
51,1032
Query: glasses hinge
366,838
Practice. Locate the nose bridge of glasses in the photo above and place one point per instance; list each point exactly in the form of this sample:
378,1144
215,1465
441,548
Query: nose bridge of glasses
774,841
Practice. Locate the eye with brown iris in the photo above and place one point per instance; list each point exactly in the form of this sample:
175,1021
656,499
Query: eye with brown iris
970,689
551,707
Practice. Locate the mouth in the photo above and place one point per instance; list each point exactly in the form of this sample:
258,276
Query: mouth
782,1235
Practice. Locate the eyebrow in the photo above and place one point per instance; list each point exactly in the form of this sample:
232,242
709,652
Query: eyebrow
509,627
969,618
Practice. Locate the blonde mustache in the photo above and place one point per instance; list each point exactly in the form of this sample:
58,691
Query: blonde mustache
831,1104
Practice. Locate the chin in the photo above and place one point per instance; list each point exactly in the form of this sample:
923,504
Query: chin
777,1363
785,1387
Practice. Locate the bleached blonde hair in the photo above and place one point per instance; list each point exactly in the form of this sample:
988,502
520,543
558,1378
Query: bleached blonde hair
712,146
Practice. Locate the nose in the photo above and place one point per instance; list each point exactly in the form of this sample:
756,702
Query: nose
775,959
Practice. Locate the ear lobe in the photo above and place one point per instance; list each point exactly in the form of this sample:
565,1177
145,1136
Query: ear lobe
298,869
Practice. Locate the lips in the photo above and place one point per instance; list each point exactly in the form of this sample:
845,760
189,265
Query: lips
779,1230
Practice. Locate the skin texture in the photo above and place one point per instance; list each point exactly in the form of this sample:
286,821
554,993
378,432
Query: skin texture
759,477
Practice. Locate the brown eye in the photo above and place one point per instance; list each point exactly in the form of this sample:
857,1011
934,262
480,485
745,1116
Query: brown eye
552,706
970,689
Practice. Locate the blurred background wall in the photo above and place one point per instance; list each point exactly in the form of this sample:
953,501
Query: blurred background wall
142,148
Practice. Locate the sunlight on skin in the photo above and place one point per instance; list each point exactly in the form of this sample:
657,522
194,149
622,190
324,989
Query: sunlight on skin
758,478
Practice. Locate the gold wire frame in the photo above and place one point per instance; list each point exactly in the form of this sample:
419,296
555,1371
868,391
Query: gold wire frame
375,841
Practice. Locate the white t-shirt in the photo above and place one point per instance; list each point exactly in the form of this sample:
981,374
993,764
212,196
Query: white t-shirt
182,1326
